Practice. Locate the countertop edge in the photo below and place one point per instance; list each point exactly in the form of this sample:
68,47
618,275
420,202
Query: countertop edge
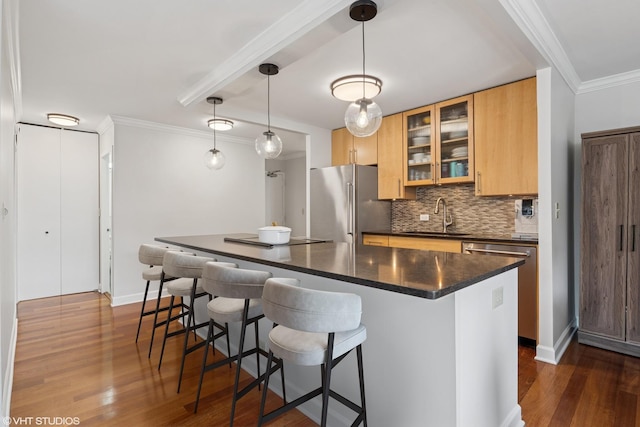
427,294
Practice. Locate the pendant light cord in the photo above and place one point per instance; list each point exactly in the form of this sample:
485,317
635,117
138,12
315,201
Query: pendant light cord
363,57
268,103
214,125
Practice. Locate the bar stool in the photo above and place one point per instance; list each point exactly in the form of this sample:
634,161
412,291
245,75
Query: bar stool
238,294
186,266
150,255
314,328
165,278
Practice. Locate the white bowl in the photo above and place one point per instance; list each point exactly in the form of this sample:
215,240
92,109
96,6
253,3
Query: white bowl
419,140
275,235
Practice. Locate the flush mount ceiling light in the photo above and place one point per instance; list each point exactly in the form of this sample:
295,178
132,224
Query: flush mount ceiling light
63,119
214,159
363,116
349,88
268,145
220,124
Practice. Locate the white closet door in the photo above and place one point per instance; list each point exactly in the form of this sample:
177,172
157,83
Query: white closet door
38,200
79,219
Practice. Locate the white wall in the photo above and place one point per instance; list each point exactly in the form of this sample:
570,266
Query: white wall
162,188
604,109
296,176
555,187
8,299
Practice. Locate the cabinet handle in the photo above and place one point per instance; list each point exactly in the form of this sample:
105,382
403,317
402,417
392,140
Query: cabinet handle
355,156
400,189
478,186
633,238
437,172
621,235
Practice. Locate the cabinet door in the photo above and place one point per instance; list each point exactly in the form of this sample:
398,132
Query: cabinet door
366,150
604,221
418,141
390,160
440,245
454,140
79,228
506,139
375,240
38,203
341,147
633,246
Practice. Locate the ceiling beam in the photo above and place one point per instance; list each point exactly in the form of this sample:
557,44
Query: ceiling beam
302,19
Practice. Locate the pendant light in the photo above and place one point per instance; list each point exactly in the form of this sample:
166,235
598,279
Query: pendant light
363,116
268,145
214,159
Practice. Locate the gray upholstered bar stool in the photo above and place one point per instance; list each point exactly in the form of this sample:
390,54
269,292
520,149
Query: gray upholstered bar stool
187,266
150,255
314,328
164,278
238,294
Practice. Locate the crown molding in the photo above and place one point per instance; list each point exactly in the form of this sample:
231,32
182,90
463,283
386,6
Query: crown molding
127,121
531,21
10,24
299,21
610,81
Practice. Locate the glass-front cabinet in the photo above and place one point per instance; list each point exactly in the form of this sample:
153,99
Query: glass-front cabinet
439,143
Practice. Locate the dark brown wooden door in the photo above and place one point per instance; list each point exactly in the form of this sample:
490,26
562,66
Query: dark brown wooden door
633,246
604,235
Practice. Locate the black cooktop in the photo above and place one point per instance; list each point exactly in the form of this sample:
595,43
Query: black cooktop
253,240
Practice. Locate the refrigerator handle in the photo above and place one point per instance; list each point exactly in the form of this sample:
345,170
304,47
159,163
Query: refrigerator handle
350,212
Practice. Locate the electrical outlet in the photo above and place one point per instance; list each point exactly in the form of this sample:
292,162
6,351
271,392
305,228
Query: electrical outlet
497,299
424,217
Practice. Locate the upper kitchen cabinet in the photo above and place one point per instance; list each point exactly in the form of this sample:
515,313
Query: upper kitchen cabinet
391,160
439,143
506,140
347,149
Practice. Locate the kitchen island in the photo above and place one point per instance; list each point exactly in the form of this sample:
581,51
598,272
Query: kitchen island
441,344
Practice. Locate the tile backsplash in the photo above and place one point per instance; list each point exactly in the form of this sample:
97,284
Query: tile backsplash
471,214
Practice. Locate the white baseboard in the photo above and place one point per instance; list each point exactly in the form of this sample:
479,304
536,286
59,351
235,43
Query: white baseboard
8,376
514,419
133,298
553,355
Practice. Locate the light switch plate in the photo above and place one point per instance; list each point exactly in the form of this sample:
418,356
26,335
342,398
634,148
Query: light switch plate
424,217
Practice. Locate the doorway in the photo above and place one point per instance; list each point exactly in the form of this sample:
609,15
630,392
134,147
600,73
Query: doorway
106,168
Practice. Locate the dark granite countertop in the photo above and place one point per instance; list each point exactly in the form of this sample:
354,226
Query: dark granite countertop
423,274
470,237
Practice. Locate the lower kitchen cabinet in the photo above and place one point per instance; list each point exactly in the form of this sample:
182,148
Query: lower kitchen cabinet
610,258
427,244
375,240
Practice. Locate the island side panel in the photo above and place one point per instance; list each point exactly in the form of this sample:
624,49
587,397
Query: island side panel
409,357
487,353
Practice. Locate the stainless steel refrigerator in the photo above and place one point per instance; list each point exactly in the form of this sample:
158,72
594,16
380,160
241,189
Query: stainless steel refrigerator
344,203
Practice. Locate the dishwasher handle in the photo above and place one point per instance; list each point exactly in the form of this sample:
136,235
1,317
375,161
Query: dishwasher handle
497,252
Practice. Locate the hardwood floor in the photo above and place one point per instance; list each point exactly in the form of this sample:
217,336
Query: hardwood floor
77,357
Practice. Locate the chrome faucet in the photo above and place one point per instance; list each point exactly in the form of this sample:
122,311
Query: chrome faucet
445,222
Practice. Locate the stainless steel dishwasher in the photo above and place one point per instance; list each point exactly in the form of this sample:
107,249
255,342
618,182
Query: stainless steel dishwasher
527,281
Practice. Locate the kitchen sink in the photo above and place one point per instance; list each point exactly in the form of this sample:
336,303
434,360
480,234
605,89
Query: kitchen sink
435,233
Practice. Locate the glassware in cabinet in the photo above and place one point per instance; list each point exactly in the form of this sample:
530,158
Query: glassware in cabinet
454,139
419,147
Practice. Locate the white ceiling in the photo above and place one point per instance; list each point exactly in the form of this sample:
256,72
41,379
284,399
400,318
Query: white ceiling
158,60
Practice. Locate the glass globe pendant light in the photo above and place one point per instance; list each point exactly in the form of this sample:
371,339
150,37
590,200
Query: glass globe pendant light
268,145
214,159
363,116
